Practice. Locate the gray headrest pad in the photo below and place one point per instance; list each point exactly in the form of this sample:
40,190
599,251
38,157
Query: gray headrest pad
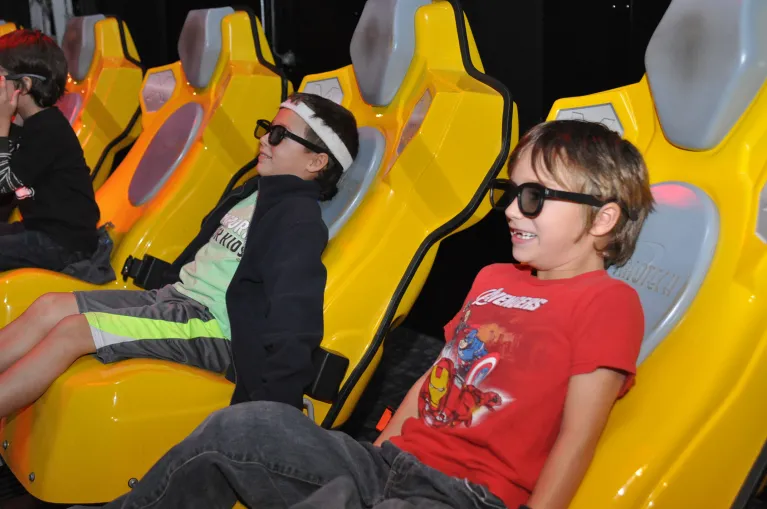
199,45
672,257
79,44
356,181
705,63
383,46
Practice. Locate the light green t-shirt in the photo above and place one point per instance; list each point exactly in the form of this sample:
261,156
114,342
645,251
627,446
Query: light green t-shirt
207,277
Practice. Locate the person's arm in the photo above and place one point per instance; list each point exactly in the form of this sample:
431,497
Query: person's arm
18,173
606,336
274,362
9,182
8,106
409,406
407,409
590,397
29,161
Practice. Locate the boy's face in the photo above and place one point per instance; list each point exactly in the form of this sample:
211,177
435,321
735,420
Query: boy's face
554,242
289,157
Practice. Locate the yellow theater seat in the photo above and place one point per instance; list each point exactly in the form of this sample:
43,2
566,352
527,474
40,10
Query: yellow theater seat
413,183
6,27
688,433
102,98
420,176
198,117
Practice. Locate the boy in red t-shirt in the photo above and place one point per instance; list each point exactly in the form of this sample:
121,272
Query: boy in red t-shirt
511,411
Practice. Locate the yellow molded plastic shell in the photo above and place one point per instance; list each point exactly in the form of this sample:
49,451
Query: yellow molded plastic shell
108,121
7,27
689,431
105,425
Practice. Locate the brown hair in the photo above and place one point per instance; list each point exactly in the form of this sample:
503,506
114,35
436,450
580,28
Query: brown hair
340,120
589,158
26,51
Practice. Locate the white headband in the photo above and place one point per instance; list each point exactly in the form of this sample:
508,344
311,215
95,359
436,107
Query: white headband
326,134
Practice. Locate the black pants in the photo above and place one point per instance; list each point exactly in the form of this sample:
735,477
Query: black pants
21,248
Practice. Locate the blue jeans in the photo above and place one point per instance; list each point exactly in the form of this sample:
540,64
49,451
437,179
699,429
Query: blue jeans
269,455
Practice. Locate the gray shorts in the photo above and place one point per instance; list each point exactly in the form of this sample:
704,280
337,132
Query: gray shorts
157,324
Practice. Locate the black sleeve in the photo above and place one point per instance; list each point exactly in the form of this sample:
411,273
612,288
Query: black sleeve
275,362
7,204
22,168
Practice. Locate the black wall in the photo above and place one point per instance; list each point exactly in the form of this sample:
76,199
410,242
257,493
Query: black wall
15,10
542,51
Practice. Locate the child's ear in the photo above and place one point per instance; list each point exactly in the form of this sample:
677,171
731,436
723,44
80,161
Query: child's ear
605,220
317,163
25,85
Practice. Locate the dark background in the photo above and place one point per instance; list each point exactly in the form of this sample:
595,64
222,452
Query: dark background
540,49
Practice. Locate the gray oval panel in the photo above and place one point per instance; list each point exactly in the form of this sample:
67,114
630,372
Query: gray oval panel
166,150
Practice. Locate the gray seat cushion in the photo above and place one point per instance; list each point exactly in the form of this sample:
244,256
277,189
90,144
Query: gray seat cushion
356,181
79,44
165,152
329,88
601,113
158,88
383,46
199,45
672,257
705,64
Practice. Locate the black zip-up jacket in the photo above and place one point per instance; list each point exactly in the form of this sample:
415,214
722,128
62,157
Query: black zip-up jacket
43,165
276,297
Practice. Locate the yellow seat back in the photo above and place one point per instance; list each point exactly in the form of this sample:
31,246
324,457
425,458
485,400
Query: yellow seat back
688,433
101,101
198,118
6,27
422,175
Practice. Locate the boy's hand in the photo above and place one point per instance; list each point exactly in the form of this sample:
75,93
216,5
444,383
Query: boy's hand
8,105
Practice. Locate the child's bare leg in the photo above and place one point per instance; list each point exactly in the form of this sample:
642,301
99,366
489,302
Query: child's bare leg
21,335
31,376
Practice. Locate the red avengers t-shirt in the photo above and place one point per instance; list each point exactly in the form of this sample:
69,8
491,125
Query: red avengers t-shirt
491,407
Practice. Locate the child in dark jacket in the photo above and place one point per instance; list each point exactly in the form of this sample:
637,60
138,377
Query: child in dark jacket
249,292
42,167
